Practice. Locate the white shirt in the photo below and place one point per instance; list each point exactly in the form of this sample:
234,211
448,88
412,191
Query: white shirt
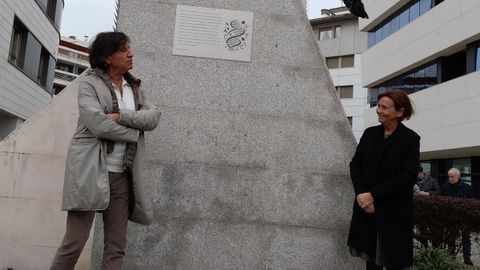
115,159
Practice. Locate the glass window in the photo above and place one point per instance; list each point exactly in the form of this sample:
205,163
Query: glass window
414,11
386,30
326,33
345,91
58,13
373,96
43,4
371,39
28,54
43,67
420,79
378,35
50,74
425,5
431,77
338,31
32,57
347,61
332,62
18,44
350,120
409,83
395,24
478,59
404,18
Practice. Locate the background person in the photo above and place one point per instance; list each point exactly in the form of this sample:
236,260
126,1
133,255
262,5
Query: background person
427,185
456,188
106,156
383,171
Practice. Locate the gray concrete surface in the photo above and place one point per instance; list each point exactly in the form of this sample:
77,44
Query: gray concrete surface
249,165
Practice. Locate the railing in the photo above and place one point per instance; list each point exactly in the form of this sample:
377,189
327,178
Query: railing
65,77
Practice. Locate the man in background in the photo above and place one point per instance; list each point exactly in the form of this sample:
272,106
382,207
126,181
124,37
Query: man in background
456,188
427,185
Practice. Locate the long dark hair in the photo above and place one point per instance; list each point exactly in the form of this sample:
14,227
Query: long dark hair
104,45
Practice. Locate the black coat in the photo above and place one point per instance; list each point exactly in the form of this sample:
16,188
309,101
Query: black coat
387,168
458,189
430,185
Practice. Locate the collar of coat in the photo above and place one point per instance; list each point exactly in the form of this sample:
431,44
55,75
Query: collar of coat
132,80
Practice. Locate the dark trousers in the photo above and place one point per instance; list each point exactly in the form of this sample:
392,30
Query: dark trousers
466,246
373,266
115,219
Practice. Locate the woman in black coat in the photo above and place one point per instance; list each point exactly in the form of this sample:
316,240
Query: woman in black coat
384,171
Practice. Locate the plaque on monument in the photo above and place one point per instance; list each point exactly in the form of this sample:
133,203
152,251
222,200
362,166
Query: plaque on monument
213,33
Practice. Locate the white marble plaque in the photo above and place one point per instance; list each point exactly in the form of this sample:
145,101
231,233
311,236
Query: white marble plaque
213,33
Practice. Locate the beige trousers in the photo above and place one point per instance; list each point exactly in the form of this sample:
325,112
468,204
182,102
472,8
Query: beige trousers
115,219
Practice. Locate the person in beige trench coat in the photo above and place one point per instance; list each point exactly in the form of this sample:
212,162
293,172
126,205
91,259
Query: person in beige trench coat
106,159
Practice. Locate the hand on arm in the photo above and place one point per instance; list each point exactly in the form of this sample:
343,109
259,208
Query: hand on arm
145,119
97,121
115,117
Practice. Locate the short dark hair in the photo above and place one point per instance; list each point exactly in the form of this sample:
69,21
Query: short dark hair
420,169
104,45
400,100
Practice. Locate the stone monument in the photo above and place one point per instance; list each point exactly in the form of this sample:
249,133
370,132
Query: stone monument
249,164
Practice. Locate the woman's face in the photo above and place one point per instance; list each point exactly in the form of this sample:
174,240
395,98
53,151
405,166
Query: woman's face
386,111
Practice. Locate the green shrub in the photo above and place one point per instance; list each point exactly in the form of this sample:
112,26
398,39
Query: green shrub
434,259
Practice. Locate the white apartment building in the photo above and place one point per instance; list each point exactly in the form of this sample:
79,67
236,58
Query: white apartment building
71,62
431,50
29,37
342,45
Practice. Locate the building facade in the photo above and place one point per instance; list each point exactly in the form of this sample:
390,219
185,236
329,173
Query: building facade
29,39
430,49
342,45
71,62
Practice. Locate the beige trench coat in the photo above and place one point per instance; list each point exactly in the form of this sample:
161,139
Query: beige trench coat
86,184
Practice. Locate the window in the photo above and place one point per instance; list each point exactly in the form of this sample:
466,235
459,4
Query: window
332,62
330,32
345,91
386,30
53,9
338,31
478,59
340,61
409,82
350,120
414,11
18,43
425,5
80,70
28,55
347,61
326,33
409,12
64,67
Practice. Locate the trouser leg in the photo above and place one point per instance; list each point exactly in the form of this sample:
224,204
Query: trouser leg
373,266
115,219
466,246
78,226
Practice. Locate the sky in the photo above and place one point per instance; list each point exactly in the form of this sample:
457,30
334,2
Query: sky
88,17
315,6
